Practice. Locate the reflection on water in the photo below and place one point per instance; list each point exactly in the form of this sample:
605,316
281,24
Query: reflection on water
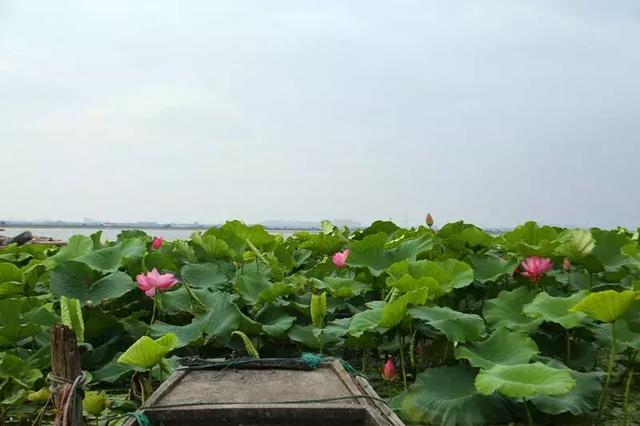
111,234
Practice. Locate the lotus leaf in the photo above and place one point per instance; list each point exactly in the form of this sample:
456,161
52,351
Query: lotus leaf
524,380
147,352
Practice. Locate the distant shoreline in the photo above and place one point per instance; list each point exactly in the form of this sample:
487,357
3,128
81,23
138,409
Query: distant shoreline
136,226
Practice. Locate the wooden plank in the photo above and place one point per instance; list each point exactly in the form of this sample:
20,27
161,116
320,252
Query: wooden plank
387,413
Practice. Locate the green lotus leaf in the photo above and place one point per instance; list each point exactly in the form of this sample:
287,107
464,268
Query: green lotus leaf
489,268
323,243
318,309
462,274
365,321
77,246
457,326
176,301
71,315
156,259
530,239
78,281
372,251
438,277
612,249
377,227
251,284
506,310
14,368
10,273
106,260
582,399
393,313
146,352
608,305
342,287
313,337
210,248
275,291
524,380
223,316
575,243
627,336
111,372
447,396
186,334
275,320
461,236
204,275
556,309
502,347
134,248
236,234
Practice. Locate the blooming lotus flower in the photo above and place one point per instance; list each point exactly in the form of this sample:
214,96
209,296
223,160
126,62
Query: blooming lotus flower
340,258
566,265
155,281
157,243
389,372
535,267
429,220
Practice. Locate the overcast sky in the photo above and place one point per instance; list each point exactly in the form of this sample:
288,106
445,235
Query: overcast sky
493,112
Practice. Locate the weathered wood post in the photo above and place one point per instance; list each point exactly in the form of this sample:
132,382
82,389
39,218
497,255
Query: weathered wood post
66,376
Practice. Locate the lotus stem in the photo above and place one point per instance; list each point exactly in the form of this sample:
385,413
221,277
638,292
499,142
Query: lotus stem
526,407
412,349
627,388
193,296
153,313
612,361
404,372
568,354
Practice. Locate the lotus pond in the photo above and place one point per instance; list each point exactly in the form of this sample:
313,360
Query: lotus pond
540,325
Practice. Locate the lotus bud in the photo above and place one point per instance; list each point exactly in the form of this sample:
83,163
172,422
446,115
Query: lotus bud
95,403
157,243
429,220
389,372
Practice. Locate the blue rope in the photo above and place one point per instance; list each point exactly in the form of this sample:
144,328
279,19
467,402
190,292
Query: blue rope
140,417
314,360
311,360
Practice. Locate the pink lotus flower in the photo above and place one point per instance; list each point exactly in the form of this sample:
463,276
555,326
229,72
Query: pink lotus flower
429,220
157,243
535,267
566,265
154,281
340,258
389,372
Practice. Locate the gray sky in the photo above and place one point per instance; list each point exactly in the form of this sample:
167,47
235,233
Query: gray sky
494,112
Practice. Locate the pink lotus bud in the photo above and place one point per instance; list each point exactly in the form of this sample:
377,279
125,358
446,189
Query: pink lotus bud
535,267
340,258
155,281
157,243
429,220
566,265
389,372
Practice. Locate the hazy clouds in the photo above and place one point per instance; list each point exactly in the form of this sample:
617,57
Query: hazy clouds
492,112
